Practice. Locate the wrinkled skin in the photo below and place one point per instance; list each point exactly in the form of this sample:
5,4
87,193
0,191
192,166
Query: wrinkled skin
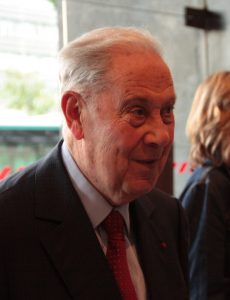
126,135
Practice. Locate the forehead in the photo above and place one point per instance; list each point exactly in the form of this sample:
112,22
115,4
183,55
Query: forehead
142,73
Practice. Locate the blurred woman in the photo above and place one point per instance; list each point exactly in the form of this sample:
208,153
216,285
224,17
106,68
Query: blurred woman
206,197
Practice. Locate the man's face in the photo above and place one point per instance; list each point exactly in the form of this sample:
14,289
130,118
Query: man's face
129,131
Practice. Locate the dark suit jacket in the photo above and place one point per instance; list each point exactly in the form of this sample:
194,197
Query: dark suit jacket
49,251
206,199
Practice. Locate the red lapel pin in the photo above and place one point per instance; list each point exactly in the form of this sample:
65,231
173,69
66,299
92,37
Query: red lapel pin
163,245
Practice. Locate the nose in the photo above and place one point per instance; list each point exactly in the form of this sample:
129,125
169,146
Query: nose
159,133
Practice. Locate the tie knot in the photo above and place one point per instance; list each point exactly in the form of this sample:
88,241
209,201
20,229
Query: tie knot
114,224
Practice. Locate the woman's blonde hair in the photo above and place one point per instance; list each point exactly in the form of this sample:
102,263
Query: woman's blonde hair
208,124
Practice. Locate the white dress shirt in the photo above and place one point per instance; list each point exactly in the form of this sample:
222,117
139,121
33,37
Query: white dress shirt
98,209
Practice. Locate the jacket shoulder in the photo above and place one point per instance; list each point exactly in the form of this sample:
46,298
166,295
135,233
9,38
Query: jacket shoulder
15,183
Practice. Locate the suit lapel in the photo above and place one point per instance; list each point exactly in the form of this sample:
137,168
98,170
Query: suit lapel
150,244
68,237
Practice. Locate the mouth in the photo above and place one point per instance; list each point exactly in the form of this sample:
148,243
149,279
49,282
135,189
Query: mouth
147,162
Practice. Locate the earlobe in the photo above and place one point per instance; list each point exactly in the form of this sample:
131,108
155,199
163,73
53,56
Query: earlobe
71,104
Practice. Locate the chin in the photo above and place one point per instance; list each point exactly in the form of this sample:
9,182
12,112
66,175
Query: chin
139,189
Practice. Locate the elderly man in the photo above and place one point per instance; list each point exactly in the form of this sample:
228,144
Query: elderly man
81,223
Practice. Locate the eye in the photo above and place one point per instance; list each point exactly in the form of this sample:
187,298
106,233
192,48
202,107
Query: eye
167,114
138,111
137,115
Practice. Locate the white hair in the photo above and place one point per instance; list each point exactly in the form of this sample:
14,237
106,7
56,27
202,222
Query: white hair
85,61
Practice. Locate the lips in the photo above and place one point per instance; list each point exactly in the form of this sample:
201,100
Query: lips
146,161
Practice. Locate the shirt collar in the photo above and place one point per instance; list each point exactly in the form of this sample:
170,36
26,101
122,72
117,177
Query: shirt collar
94,203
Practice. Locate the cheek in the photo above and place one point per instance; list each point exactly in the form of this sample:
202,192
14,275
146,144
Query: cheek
171,128
117,150
115,144
122,136
172,134
168,146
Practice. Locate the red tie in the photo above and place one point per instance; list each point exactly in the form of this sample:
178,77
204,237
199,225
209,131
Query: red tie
116,254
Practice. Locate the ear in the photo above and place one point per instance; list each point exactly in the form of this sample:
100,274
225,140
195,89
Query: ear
71,104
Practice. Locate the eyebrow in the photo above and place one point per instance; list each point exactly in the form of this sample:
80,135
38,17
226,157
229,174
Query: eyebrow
169,101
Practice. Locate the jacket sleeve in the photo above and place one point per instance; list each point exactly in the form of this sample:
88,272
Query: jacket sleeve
205,205
196,207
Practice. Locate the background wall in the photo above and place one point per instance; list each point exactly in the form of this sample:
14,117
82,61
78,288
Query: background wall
191,53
